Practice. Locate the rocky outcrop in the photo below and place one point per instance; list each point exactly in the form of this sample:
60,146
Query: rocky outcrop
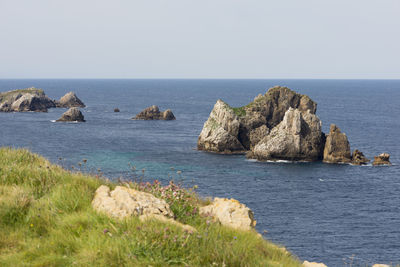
70,100
116,110
154,113
313,264
221,130
125,202
337,147
382,159
24,100
297,137
358,158
230,212
232,130
73,114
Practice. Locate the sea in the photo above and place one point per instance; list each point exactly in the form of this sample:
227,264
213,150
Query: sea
341,215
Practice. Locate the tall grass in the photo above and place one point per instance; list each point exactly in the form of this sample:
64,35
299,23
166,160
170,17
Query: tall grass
46,219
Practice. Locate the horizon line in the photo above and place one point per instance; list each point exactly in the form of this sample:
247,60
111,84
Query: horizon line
108,78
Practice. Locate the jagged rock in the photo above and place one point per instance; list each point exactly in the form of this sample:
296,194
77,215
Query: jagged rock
229,130
382,159
220,132
116,110
154,113
23,100
358,158
70,100
72,114
337,147
313,264
230,212
124,202
297,137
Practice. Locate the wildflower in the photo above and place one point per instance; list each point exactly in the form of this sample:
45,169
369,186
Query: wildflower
31,224
105,231
235,237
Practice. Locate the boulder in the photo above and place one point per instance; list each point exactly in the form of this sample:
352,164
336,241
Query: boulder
116,110
313,264
72,114
230,212
297,137
70,100
358,158
382,159
251,122
30,102
337,147
125,202
154,113
220,132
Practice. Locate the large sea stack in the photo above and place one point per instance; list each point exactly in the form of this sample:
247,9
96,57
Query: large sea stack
24,100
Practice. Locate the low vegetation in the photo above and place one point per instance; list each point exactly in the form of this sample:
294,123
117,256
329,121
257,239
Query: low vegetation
5,96
46,219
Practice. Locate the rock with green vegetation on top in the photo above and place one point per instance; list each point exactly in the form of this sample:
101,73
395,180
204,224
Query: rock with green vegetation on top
24,100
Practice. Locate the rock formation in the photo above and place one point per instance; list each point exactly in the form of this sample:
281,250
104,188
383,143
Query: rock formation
154,113
358,158
70,100
230,212
313,264
337,147
382,159
24,100
116,110
72,114
233,130
297,137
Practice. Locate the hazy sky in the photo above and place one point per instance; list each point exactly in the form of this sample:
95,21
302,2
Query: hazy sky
200,39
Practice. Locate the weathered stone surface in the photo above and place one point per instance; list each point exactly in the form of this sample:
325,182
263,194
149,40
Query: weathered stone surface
230,129
337,147
154,113
70,100
72,114
162,218
220,132
124,202
24,100
230,212
382,159
297,137
358,158
313,264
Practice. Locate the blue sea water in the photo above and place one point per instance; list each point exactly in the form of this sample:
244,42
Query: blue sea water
334,214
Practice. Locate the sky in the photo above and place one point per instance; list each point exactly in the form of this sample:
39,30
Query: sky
240,39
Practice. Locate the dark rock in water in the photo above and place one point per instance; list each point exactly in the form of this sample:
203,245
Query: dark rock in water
154,113
297,137
24,100
72,114
358,158
116,110
382,159
70,100
337,147
232,130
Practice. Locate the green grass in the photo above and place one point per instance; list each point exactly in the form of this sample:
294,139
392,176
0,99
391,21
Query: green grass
46,219
5,96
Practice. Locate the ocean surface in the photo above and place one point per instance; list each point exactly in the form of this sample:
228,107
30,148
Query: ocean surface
336,214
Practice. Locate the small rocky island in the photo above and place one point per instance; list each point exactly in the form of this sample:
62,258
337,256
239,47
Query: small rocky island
72,114
279,125
154,113
34,99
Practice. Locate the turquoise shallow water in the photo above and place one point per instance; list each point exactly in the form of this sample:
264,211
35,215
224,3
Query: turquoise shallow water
320,212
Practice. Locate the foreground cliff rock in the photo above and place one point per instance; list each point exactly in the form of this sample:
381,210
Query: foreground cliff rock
230,212
154,113
73,114
297,137
70,100
24,100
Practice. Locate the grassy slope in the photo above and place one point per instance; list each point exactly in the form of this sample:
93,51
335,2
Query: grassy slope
46,219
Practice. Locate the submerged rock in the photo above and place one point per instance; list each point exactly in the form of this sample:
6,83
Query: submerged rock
358,158
297,137
230,212
24,100
382,159
73,114
154,113
337,147
220,132
70,100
